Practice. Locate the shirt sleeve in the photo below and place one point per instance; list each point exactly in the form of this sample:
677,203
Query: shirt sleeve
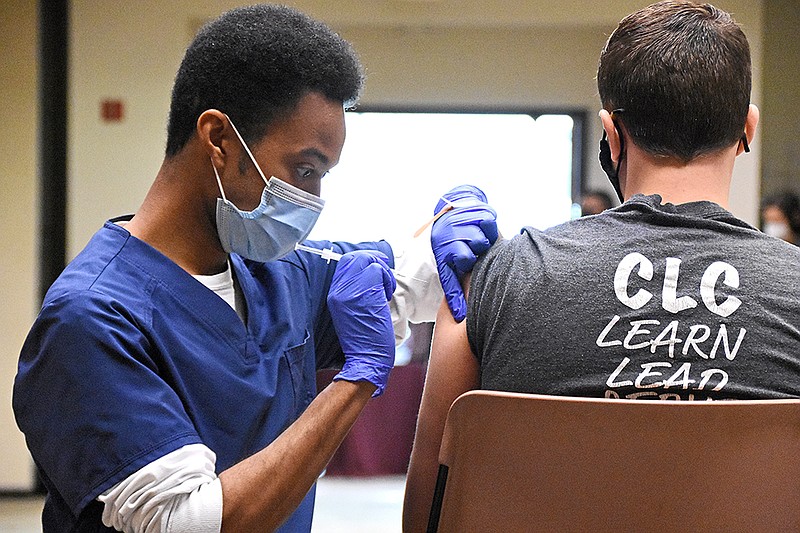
176,493
419,291
90,400
489,278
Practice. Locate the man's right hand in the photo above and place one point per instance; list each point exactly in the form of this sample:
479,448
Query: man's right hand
358,299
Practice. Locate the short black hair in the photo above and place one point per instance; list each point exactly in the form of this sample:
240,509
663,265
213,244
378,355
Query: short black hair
680,74
255,63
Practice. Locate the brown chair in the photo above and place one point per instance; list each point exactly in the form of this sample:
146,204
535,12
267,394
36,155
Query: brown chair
523,462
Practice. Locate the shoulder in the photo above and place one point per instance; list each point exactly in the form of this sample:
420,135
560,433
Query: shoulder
81,332
532,245
99,301
111,266
507,250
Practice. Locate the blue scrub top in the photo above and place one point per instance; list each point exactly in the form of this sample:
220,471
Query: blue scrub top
132,358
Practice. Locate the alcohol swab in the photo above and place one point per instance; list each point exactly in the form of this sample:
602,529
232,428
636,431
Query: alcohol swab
450,205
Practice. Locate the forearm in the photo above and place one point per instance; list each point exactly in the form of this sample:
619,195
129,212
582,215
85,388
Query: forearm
260,492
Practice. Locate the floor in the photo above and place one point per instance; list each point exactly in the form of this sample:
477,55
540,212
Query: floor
344,504
358,505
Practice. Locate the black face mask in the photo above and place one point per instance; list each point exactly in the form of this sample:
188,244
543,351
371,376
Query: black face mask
608,165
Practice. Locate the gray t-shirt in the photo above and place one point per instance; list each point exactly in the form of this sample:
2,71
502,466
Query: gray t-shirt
642,301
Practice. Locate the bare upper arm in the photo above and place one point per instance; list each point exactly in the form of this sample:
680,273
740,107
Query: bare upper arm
452,370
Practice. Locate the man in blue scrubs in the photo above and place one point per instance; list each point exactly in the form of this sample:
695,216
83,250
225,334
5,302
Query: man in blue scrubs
168,383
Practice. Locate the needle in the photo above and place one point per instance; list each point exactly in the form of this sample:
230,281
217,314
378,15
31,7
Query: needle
329,255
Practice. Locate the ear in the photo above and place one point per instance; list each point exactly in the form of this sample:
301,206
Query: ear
750,125
212,126
612,133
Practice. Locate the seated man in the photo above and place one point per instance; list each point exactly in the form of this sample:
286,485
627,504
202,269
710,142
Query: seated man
668,296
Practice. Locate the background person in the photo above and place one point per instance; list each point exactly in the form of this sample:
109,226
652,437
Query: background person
780,216
168,383
668,296
595,202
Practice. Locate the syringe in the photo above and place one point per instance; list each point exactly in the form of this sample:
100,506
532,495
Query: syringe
329,255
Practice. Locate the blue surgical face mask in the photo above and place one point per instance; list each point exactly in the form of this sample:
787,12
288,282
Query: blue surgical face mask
284,217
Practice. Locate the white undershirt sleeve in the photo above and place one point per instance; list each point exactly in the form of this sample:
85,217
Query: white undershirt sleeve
419,291
176,493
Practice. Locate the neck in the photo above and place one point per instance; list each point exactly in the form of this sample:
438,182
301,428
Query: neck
177,216
707,177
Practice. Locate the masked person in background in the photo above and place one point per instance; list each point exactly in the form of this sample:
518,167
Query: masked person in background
168,383
668,296
595,202
780,217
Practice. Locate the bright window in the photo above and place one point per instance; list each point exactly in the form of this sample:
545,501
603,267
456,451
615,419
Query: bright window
395,166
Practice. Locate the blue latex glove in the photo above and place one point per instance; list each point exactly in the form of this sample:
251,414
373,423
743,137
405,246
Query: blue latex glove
358,297
458,237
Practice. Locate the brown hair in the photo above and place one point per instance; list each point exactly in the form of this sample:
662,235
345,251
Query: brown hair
678,76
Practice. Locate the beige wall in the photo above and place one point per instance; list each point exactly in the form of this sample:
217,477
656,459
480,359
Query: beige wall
445,52
781,109
497,53
18,220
